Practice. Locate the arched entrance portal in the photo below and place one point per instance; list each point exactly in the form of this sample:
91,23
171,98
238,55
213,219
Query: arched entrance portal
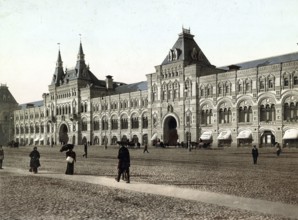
267,139
63,137
170,131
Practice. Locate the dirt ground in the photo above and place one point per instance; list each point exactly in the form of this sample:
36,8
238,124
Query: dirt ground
229,171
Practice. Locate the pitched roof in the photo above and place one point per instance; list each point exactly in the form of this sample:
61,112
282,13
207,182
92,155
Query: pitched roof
5,95
31,104
186,49
265,61
139,86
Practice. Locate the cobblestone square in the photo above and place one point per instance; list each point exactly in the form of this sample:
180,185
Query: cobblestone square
229,171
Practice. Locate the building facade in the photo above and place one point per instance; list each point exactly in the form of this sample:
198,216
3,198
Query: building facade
186,99
7,106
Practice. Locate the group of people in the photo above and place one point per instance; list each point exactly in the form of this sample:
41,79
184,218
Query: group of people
123,161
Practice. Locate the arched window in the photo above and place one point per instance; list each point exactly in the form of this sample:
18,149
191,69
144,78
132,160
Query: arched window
84,124
96,124
240,86
206,115
36,128
295,81
114,122
220,92
290,109
124,122
267,110
104,124
134,121
245,112
144,121
247,85
286,80
224,115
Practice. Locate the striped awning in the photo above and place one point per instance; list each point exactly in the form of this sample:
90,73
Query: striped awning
224,135
206,136
246,134
291,134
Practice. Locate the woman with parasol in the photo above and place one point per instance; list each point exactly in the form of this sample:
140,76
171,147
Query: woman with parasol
70,158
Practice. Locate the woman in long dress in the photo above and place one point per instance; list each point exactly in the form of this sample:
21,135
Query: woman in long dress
70,165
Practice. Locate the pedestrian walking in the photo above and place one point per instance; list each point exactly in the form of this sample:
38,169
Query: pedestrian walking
71,159
145,149
123,163
255,154
34,160
1,156
278,149
85,150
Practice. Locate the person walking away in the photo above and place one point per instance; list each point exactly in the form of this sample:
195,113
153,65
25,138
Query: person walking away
34,161
278,149
71,159
123,163
1,156
85,150
255,154
146,148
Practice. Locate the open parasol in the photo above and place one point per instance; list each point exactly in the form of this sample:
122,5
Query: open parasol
66,147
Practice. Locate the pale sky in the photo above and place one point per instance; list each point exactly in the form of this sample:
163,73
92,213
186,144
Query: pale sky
127,38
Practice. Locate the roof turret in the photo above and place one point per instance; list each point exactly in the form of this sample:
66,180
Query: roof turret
186,49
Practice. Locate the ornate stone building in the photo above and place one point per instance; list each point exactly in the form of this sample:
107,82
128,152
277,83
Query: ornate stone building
7,105
186,99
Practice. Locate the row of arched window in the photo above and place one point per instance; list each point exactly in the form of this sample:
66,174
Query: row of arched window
123,104
225,88
114,122
267,113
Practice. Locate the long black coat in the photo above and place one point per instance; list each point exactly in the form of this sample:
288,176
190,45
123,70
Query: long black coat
255,152
124,158
34,162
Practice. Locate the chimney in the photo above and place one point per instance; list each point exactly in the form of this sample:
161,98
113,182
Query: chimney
109,82
234,67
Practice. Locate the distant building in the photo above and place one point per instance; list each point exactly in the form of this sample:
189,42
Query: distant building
186,98
7,105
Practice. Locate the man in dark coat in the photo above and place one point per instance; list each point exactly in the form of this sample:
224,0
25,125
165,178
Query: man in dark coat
34,161
255,154
123,163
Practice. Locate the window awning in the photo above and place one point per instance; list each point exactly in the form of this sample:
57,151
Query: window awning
36,139
154,137
206,136
291,134
224,135
41,139
246,134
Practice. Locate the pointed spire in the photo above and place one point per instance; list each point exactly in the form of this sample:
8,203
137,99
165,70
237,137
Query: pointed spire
59,60
81,55
58,74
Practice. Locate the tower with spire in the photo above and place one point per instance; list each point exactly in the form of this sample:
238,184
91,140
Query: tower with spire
80,65
58,76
